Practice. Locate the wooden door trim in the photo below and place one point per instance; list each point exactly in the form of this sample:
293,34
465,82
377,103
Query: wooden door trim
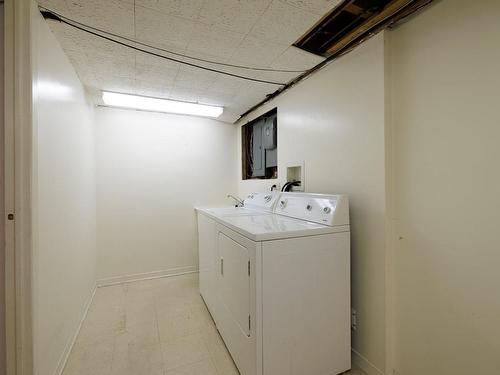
18,170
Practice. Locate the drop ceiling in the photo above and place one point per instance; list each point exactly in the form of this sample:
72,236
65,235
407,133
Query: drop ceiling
252,33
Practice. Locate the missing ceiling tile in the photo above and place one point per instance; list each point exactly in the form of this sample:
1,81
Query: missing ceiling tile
351,21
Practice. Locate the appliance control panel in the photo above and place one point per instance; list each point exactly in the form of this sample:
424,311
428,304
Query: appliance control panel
262,201
318,208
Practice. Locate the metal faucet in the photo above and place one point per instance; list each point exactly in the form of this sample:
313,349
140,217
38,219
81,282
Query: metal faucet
239,201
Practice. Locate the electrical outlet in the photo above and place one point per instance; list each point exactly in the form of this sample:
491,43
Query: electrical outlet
354,319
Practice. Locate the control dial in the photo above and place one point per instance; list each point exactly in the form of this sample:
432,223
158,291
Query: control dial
327,210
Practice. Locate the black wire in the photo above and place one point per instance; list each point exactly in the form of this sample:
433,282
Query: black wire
50,15
168,51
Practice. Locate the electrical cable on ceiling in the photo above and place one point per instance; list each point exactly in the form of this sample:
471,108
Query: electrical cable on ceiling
48,14
168,51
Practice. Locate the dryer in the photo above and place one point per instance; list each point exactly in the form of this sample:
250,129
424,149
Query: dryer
279,285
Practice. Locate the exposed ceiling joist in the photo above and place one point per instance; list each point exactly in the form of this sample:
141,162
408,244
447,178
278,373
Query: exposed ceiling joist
391,9
337,40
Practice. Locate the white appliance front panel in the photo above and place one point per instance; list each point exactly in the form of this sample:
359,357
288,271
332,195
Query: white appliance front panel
263,201
236,298
306,305
231,211
263,227
325,209
234,281
207,252
290,315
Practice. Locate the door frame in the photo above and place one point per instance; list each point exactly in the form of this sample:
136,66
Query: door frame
18,186
390,220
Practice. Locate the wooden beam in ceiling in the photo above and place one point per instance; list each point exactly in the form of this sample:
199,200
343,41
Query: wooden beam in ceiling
392,8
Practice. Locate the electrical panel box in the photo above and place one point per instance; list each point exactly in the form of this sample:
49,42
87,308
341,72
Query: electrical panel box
259,150
272,158
269,133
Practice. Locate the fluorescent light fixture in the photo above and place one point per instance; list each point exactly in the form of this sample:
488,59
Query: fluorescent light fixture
146,103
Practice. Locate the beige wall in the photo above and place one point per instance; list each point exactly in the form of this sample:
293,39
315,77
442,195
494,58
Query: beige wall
152,170
441,119
444,69
64,200
334,121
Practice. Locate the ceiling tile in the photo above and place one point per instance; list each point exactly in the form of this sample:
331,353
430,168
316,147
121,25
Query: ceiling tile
178,8
254,92
234,15
280,78
163,30
254,33
314,6
185,94
257,52
205,59
58,6
227,84
296,59
158,62
117,84
283,24
112,67
68,37
214,41
195,79
229,115
153,89
216,98
120,61
110,15
154,74
153,69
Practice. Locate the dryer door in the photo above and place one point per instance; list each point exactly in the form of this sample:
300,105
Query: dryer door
236,297
234,281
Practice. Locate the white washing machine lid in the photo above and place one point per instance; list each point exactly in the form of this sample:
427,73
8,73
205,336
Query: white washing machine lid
255,203
270,216
216,212
266,227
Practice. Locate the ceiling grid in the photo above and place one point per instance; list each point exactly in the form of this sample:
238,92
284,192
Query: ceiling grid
251,33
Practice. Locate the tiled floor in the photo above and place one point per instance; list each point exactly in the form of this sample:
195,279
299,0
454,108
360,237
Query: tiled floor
154,327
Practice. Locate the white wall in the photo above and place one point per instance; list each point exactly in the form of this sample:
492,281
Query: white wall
152,170
334,121
445,115
64,200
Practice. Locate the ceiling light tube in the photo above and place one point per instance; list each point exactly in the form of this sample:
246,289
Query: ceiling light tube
146,103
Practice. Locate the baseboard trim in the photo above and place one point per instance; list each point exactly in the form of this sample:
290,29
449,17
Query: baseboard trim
364,364
65,355
146,276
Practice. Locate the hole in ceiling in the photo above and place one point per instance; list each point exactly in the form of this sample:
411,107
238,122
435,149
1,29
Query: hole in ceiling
351,21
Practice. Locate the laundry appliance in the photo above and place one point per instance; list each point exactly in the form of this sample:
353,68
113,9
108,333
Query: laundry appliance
275,276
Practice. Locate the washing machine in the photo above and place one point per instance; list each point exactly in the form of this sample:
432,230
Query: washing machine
276,278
